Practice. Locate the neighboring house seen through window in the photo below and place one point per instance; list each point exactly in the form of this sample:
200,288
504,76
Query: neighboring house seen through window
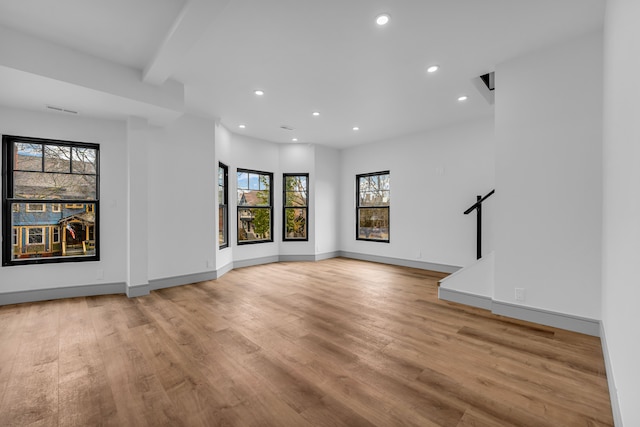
372,206
255,206
50,201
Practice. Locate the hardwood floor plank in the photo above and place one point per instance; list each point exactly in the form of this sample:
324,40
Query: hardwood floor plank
332,343
31,396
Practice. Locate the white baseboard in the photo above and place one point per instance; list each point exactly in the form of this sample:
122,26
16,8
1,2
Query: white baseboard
142,290
186,279
443,268
569,322
465,298
613,391
32,295
255,261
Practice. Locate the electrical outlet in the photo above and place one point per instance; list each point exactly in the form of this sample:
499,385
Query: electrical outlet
209,263
520,294
100,274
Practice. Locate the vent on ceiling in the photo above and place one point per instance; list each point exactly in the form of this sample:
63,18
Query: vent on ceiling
286,127
486,86
60,109
489,80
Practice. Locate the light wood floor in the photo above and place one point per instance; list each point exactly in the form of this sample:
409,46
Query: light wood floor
333,343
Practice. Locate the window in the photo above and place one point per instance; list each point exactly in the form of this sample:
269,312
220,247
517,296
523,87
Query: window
35,207
34,236
57,183
255,201
223,202
372,207
295,200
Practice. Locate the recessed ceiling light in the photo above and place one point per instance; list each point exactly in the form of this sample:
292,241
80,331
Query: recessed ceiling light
294,139
383,19
316,113
242,126
356,128
463,98
432,69
258,92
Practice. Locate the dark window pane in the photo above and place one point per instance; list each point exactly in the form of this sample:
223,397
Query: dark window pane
295,223
38,185
295,199
254,181
243,181
35,235
57,158
254,224
373,223
29,157
222,226
84,160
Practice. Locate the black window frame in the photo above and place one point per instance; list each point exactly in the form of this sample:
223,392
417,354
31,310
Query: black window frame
360,208
9,199
223,205
268,207
285,208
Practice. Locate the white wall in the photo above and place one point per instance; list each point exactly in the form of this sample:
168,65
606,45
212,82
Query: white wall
297,158
435,177
111,135
181,209
224,257
326,199
253,154
549,177
621,232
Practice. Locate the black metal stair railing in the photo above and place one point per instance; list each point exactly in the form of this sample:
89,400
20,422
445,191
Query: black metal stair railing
477,206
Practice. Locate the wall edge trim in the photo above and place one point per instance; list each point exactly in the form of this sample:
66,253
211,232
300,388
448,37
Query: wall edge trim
423,265
583,325
46,294
466,298
611,381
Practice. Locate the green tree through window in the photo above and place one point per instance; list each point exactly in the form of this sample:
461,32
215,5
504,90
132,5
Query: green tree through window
255,200
295,200
372,206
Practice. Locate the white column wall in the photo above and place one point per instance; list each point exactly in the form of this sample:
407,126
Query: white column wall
326,199
621,208
297,158
182,214
549,178
137,206
224,257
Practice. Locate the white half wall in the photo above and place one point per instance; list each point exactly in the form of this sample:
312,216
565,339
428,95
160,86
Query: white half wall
548,124
435,177
621,204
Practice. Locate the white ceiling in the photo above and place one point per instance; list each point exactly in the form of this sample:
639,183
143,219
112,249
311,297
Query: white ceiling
326,56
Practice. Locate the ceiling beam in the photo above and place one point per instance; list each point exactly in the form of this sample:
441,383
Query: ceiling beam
194,18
